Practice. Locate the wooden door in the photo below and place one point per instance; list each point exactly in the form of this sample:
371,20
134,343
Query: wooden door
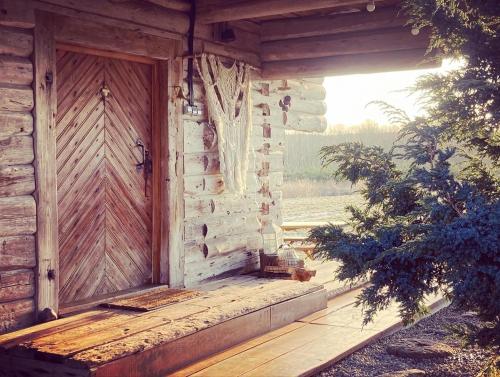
104,198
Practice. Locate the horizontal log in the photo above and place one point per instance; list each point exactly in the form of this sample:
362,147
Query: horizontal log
298,104
17,13
14,98
16,285
17,252
298,88
89,34
224,50
16,314
16,150
17,180
218,205
15,124
201,163
344,44
17,216
223,11
199,137
230,244
350,64
214,227
180,5
259,144
140,13
300,27
199,185
15,42
292,120
243,39
15,70
241,261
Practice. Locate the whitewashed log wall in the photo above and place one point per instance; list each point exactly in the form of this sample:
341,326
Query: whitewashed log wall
222,233
17,180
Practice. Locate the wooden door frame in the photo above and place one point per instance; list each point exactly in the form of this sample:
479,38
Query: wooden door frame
167,150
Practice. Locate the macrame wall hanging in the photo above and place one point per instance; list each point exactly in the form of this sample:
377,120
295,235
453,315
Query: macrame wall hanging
227,91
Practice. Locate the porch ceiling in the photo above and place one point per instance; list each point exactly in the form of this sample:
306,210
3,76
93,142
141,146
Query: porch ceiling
325,37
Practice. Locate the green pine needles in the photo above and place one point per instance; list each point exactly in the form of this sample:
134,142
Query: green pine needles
428,230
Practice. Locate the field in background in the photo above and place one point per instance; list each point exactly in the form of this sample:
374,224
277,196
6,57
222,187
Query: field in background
323,208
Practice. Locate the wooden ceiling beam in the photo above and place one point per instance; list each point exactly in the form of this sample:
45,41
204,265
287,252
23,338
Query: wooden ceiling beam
223,11
179,5
302,27
349,64
344,44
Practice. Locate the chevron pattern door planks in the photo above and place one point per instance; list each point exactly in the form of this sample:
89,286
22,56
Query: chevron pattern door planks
104,200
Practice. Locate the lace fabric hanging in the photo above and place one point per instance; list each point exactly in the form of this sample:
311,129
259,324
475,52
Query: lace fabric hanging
227,91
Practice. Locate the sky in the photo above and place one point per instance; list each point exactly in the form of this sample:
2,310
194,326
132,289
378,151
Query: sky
347,96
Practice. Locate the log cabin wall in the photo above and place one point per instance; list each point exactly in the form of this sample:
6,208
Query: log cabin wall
224,234
17,177
138,28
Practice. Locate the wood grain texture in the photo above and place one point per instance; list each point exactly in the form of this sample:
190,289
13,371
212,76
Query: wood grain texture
16,314
17,13
104,202
15,70
45,159
17,215
362,42
15,98
15,42
16,285
17,252
174,220
15,124
139,13
349,64
17,180
299,27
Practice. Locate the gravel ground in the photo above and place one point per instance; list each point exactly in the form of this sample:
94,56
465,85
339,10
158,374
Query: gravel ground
373,359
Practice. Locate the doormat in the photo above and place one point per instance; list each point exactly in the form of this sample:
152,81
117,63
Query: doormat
152,300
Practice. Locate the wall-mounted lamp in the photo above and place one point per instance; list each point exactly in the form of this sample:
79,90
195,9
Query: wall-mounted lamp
370,7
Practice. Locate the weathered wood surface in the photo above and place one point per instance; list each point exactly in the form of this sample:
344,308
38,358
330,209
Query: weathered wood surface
17,180
349,64
15,124
17,215
345,44
139,13
14,98
300,27
16,314
15,42
16,285
17,13
45,162
17,252
15,70
238,308
104,202
90,34
220,11
174,220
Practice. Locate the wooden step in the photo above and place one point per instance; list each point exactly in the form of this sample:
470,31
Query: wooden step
304,347
112,342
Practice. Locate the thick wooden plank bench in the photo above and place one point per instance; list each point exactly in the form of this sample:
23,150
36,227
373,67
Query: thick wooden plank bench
114,342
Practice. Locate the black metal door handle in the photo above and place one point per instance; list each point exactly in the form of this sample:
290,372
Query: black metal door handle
139,144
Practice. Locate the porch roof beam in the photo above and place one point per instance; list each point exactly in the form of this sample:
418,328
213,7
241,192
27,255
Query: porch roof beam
302,27
350,64
223,11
